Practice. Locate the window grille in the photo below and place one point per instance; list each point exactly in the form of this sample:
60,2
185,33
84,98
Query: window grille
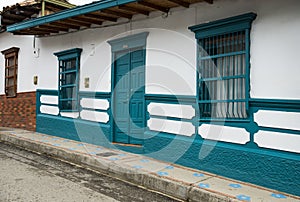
69,66
222,72
223,67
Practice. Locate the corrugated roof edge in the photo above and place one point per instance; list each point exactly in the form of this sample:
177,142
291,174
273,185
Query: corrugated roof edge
80,10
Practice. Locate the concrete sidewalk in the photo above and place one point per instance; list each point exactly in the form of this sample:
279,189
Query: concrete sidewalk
180,182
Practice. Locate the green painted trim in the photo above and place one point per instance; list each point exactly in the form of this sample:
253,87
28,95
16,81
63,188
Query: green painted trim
97,95
129,42
279,130
171,99
275,104
171,118
47,92
231,24
80,10
39,93
68,53
122,44
63,56
221,27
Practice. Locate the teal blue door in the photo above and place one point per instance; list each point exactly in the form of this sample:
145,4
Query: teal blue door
128,100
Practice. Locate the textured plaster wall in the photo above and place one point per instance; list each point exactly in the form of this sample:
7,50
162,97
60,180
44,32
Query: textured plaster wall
172,51
27,67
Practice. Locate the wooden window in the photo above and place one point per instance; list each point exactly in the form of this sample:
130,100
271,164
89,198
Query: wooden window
68,86
11,71
223,68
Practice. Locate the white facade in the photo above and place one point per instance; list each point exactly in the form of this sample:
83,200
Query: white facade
27,67
171,51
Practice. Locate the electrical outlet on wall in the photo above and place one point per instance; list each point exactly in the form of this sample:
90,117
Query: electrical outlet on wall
35,80
87,82
93,49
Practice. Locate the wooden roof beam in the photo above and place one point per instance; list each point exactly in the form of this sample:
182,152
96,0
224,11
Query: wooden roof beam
135,10
44,29
89,20
99,16
65,25
180,3
32,32
50,26
6,21
154,6
12,16
76,22
31,9
119,14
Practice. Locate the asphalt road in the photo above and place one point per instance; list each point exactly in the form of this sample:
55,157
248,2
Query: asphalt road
29,177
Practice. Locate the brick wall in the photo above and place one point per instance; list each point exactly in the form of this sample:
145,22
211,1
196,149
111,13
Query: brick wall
18,112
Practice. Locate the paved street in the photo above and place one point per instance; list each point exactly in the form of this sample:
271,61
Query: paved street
29,177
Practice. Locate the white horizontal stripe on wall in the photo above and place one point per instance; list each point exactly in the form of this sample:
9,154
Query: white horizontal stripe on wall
277,119
49,99
94,103
171,110
279,141
70,114
49,110
94,116
170,126
224,133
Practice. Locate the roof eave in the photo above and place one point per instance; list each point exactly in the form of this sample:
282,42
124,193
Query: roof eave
67,14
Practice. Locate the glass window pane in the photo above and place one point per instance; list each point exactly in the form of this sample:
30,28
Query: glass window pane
70,64
10,61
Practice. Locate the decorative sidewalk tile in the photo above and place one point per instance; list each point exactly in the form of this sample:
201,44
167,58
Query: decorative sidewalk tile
160,173
243,197
198,175
137,167
242,191
203,185
169,167
182,174
237,186
278,195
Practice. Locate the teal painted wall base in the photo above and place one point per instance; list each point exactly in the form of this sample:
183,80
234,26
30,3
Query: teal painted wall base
248,165
279,171
80,130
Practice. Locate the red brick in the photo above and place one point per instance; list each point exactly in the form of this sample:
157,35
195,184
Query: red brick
18,112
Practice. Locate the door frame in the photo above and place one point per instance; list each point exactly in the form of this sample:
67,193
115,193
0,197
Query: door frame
135,41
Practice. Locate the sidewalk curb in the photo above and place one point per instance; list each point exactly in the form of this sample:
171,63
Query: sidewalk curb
151,181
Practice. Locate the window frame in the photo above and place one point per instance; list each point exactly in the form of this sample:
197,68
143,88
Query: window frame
63,57
9,53
240,23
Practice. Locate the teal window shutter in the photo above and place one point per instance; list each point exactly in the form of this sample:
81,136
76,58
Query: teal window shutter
68,79
223,67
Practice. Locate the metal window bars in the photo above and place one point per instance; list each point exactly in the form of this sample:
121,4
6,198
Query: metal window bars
222,76
68,85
